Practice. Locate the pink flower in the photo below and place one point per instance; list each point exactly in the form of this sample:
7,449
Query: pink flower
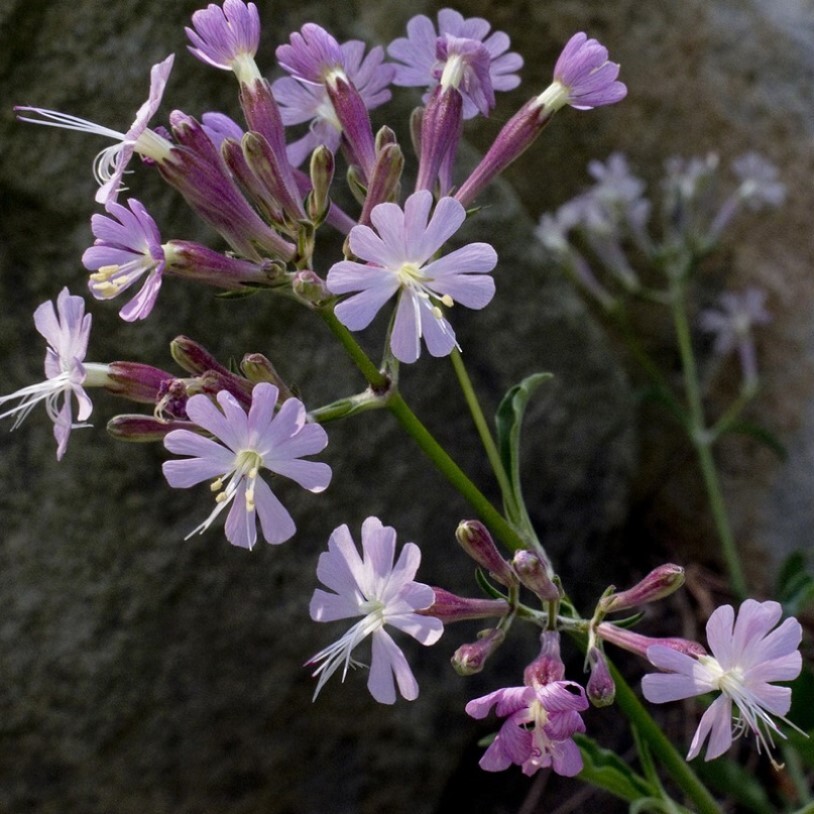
111,164
400,258
263,439
382,594
584,77
67,331
747,655
541,721
127,247
462,52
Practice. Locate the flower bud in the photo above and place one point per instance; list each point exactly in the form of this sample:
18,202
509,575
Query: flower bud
548,666
385,179
193,357
638,643
475,539
136,381
310,288
257,368
144,428
533,573
600,687
659,583
322,175
469,659
449,607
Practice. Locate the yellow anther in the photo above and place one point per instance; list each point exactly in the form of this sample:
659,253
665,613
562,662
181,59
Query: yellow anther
436,312
447,300
220,497
216,485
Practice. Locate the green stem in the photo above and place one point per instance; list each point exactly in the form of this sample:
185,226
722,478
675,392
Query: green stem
701,439
483,428
661,747
431,448
375,378
453,473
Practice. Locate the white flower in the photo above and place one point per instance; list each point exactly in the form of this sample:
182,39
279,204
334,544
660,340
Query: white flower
382,594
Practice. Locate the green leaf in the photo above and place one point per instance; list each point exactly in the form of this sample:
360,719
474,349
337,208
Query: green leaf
759,434
605,769
795,584
486,586
508,420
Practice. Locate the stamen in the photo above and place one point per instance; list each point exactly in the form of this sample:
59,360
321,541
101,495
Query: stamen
216,485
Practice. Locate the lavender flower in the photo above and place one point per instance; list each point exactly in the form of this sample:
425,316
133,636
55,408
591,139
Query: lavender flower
583,77
747,655
398,260
304,99
249,443
66,330
110,164
759,183
127,246
732,325
382,594
227,38
541,721
314,58
462,54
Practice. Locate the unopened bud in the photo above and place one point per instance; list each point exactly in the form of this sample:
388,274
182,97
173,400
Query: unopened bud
144,428
638,643
310,287
659,583
469,659
385,179
136,381
475,539
600,687
449,607
322,176
385,136
257,368
533,573
548,666
193,357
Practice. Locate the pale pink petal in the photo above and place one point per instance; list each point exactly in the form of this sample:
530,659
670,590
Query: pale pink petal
275,521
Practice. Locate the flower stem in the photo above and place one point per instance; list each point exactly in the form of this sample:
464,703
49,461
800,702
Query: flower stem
661,747
702,439
482,426
422,436
453,473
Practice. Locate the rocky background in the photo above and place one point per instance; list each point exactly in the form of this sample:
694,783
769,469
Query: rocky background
140,672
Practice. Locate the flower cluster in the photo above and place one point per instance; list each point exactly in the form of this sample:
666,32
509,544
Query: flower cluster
239,426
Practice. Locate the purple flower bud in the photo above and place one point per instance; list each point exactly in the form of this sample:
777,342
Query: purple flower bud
257,368
475,539
385,180
310,288
449,607
196,169
267,168
659,583
638,643
137,382
441,128
548,667
322,175
194,261
533,573
469,659
144,428
193,357
600,687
